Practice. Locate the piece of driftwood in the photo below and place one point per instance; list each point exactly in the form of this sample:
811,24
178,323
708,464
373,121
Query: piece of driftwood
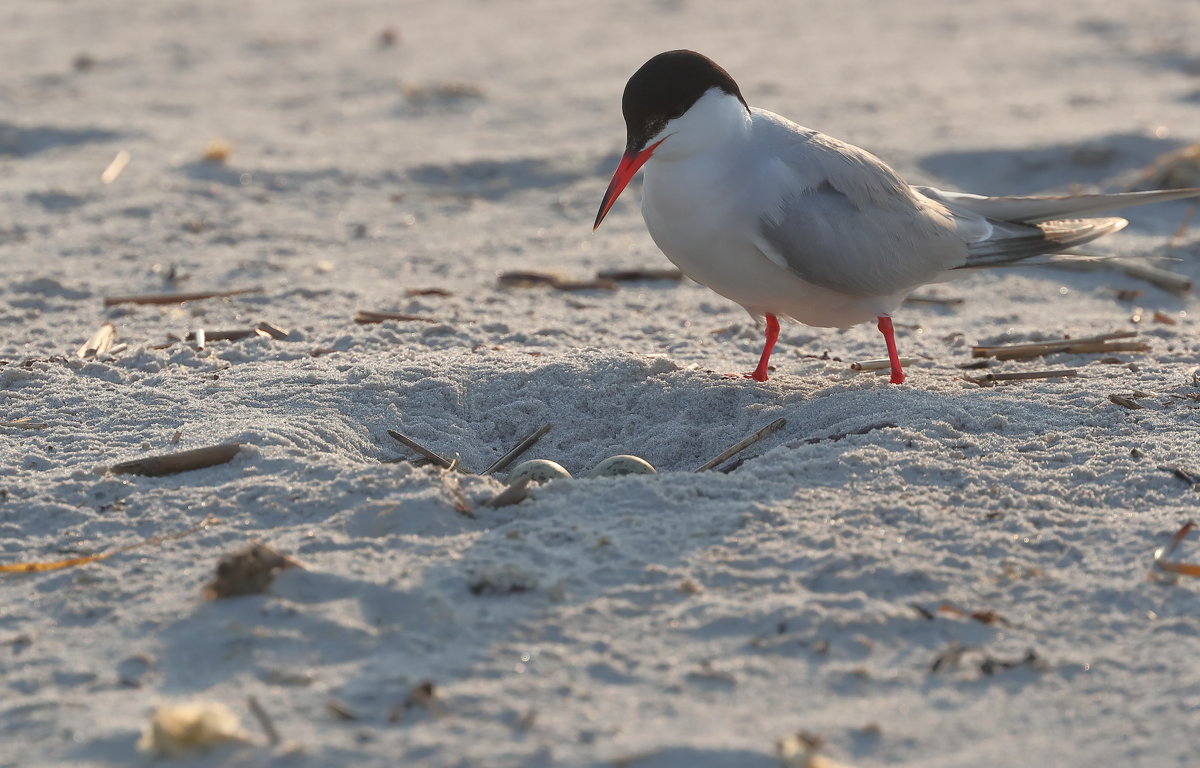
176,298
525,444
1105,342
437,459
743,444
100,343
366,316
183,461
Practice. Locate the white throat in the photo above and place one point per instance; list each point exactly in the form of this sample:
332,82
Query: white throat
713,120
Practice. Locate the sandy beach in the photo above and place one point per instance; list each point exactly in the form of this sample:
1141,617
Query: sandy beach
950,572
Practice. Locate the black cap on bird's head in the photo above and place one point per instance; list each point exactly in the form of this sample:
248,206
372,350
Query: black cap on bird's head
664,88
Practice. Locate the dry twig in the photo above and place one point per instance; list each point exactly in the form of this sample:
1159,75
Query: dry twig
1105,342
526,443
881,364
114,169
365,316
743,444
441,461
176,298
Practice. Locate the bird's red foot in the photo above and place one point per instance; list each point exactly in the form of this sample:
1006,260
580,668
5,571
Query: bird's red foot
756,375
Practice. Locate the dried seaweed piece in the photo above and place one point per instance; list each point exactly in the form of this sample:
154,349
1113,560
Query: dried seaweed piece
248,571
173,463
623,275
1162,553
54,565
365,316
100,343
176,298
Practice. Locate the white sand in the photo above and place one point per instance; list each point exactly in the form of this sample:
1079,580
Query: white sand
679,620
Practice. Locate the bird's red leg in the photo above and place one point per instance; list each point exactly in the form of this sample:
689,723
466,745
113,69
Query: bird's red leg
889,337
760,373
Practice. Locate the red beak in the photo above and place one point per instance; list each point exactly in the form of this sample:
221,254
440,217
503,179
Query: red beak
630,163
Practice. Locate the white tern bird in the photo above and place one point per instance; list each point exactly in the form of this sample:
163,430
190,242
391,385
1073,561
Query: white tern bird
787,221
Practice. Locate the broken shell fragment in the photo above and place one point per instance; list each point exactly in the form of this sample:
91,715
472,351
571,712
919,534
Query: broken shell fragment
538,471
615,466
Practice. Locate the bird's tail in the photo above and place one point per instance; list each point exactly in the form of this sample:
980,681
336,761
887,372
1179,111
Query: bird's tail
1032,210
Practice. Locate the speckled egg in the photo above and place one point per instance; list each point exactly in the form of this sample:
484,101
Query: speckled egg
615,466
538,471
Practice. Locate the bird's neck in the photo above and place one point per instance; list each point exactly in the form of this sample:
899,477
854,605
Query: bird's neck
715,121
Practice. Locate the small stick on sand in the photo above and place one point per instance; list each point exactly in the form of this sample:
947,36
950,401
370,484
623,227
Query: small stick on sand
218,335
1186,475
1085,344
933,300
101,342
365,316
526,279
1126,402
991,379
526,443
622,275
264,720
743,444
441,461
115,168
173,463
24,423
176,298
1162,553
882,364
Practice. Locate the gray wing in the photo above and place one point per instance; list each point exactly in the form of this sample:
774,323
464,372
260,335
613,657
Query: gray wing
845,221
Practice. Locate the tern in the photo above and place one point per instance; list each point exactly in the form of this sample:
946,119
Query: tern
787,221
